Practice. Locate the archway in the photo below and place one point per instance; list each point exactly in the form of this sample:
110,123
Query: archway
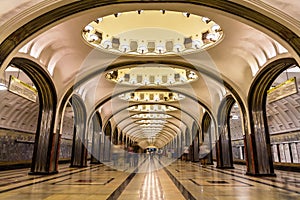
44,159
107,142
19,110
259,139
80,141
237,135
96,129
207,139
224,149
187,140
115,137
283,113
66,135
194,148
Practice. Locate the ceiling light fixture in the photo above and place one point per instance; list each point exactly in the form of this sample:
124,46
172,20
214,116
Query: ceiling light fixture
148,96
151,108
151,125
117,14
186,14
163,11
151,116
206,20
151,121
88,28
216,28
98,20
152,75
211,37
140,11
142,49
107,44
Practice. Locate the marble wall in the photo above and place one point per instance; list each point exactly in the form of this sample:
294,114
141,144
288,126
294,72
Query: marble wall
285,147
65,149
17,146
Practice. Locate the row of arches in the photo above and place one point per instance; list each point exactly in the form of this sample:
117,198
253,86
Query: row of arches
257,139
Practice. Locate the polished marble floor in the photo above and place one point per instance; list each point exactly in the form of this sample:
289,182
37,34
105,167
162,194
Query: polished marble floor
149,181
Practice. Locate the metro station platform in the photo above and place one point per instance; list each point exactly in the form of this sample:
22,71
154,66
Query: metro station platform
150,180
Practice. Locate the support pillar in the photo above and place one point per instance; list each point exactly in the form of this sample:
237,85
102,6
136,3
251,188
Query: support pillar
224,149
225,160
207,131
107,143
80,140
96,140
195,145
44,159
79,151
259,148
259,157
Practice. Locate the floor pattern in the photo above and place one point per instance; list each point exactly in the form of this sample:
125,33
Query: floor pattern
149,181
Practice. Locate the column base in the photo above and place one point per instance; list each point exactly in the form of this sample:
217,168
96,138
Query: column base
229,167
78,166
209,163
98,162
42,173
258,175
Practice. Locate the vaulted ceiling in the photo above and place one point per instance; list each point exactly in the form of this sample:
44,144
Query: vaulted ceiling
69,55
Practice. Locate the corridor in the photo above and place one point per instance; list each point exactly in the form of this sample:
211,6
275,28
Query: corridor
179,180
149,100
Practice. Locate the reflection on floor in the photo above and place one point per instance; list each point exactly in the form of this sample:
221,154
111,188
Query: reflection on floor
151,182
179,180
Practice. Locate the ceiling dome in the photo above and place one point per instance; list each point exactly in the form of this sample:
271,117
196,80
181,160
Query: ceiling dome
152,32
153,75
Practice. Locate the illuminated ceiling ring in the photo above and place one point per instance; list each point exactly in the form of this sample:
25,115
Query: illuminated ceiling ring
132,33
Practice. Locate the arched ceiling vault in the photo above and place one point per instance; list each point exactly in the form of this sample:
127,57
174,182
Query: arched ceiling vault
131,124
167,130
158,124
124,114
92,14
180,125
51,36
